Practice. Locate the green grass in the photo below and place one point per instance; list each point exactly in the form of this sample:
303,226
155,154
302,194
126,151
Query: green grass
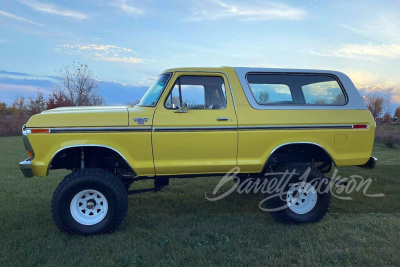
178,226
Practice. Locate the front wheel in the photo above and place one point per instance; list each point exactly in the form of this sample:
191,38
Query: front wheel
305,196
89,201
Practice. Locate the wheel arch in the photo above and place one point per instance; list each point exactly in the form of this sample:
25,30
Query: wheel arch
322,151
63,149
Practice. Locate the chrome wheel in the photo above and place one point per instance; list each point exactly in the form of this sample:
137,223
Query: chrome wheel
89,207
301,197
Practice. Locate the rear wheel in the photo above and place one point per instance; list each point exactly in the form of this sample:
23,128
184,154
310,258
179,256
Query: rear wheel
304,198
89,201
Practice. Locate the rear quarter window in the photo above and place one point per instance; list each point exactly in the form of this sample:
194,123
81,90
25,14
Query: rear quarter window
296,89
271,93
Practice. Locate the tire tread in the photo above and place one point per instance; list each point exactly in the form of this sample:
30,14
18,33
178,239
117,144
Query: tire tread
280,216
94,175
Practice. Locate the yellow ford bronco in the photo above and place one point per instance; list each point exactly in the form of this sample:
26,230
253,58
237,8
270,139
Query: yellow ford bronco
196,122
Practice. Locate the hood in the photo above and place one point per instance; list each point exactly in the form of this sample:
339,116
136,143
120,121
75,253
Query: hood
81,117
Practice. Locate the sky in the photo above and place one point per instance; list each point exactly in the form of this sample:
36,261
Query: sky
129,42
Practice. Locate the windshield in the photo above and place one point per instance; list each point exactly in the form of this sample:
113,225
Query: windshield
150,98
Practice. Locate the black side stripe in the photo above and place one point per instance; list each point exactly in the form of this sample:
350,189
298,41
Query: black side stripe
248,128
194,129
100,129
295,127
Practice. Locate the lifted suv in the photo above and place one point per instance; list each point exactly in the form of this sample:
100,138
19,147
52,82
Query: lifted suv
201,122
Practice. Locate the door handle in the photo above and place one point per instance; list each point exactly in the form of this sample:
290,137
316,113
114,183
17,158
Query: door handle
222,119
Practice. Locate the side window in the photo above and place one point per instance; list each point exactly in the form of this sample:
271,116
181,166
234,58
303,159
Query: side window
271,93
198,92
298,89
323,93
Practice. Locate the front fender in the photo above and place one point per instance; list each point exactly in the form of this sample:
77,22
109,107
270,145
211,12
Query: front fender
134,147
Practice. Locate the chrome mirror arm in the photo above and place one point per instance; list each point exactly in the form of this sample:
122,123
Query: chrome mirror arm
183,109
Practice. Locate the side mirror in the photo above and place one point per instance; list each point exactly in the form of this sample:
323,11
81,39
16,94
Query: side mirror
183,109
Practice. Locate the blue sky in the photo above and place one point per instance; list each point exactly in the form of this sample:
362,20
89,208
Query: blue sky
130,41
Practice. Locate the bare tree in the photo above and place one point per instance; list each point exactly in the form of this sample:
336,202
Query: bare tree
339,99
18,106
386,117
36,105
320,102
3,108
397,112
78,85
376,105
263,97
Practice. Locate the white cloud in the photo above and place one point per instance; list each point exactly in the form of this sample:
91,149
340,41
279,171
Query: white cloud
383,33
124,6
361,51
21,88
117,58
362,78
382,50
334,53
383,28
214,10
110,53
363,32
12,16
369,83
105,48
55,10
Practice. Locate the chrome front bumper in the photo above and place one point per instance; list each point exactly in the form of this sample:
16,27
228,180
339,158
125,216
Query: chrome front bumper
26,168
26,165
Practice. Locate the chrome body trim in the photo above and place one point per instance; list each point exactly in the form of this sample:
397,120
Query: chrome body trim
25,139
188,129
98,129
194,129
296,127
355,101
258,127
294,143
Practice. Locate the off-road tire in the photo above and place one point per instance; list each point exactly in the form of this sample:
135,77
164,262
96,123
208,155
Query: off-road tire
94,179
282,211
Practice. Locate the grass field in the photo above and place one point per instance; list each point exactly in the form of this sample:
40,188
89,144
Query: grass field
178,226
